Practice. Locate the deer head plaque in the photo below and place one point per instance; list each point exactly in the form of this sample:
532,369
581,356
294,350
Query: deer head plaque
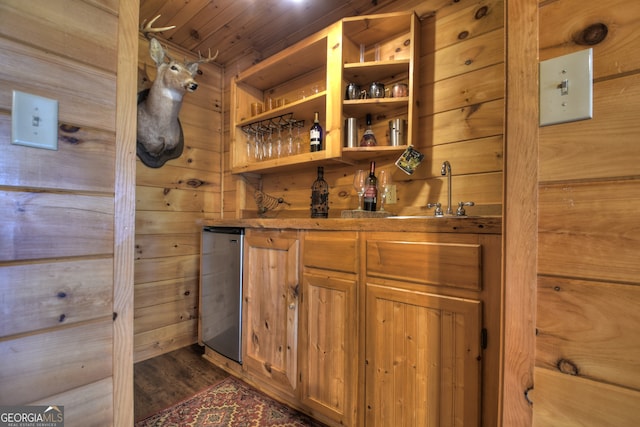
159,132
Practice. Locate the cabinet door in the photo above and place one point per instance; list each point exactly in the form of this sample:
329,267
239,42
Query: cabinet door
329,345
329,335
270,311
422,359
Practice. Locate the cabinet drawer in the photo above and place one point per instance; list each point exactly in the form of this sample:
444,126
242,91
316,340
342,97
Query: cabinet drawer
331,252
435,263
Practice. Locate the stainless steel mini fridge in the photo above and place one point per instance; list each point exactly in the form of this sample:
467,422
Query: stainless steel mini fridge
221,290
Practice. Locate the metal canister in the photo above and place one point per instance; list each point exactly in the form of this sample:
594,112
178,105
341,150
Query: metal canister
351,132
397,130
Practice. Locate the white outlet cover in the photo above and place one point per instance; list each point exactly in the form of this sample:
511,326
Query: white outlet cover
573,103
34,121
392,196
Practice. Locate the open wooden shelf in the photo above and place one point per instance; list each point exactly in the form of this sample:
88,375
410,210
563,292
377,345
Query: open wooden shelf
311,76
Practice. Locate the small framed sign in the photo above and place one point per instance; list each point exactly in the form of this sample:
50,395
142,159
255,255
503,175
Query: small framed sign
409,160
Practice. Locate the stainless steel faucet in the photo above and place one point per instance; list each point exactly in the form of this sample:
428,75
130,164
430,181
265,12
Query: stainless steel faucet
446,171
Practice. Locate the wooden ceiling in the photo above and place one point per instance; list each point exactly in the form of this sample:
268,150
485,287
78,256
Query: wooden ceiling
239,27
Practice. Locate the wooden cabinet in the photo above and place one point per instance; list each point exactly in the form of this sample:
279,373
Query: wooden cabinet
422,359
328,339
311,76
374,328
271,307
424,329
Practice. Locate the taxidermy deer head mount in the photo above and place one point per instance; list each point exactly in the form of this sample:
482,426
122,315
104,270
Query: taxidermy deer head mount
159,133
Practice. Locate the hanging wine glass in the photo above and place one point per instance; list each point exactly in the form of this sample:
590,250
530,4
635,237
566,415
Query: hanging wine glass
249,146
269,144
298,141
257,144
359,179
290,139
279,150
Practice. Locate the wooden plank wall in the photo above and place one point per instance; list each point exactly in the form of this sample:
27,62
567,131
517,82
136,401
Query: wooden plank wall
125,207
60,324
461,120
169,202
588,342
520,213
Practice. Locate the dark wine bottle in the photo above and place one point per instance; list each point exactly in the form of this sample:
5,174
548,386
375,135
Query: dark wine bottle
320,196
371,189
315,134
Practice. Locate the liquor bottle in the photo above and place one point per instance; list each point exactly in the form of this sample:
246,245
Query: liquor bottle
371,189
315,134
320,196
368,138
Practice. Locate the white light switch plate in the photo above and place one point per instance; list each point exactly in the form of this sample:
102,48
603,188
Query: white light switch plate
34,121
566,88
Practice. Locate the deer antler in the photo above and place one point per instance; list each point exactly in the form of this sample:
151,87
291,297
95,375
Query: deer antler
209,58
146,29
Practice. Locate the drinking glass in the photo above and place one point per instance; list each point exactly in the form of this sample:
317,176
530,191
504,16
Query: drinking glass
269,145
359,179
256,108
384,183
249,147
290,149
298,141
279,146
257,146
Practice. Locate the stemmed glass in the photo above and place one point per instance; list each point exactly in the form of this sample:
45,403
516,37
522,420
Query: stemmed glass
359,179
384,183
279,146
257,145
290,149
249,147
298,141
269,144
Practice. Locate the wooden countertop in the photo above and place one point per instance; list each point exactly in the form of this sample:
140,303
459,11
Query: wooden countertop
482,225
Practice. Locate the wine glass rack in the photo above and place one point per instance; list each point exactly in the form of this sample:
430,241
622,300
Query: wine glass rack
283,121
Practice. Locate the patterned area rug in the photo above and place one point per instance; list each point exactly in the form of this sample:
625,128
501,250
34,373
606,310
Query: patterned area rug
230,403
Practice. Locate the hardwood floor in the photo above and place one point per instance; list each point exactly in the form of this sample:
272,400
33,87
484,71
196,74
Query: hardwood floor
170,378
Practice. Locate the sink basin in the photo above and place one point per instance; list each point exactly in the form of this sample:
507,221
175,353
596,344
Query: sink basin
425,217
413,217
